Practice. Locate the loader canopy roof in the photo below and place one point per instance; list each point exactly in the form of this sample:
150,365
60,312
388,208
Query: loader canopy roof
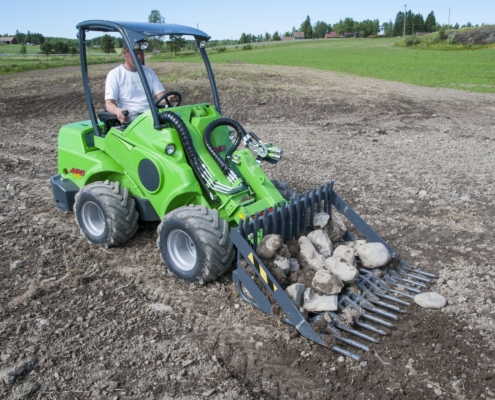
132,33
139,30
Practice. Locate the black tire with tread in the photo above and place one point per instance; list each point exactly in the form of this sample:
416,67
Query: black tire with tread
210,234
118,208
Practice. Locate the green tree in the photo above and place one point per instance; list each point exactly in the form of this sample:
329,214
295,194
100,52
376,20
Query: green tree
155,17
243,39
389,28
307,28
23,49
321,28
107,45
60,47
176,43
418,24
73,50
348,25
339,27
399,24
267,37
430,23
276,36
46,48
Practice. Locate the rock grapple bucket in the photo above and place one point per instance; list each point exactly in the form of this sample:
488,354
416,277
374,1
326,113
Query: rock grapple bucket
373,308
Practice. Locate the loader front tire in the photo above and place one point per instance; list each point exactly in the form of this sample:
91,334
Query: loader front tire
106,214
284,189
195,244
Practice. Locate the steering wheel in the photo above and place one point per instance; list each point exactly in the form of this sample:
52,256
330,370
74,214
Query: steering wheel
165,96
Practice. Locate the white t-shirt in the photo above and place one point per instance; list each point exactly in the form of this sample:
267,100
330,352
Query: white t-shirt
126,89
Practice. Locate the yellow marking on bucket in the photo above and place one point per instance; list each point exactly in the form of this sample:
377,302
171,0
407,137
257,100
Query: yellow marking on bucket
251,258
263,274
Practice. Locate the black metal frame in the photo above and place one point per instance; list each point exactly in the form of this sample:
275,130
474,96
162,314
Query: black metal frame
133,32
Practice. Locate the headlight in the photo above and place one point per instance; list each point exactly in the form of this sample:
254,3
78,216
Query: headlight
170,149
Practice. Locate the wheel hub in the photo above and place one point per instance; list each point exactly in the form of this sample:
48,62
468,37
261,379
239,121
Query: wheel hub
93,218
181,250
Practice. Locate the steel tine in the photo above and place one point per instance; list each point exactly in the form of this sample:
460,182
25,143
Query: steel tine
374,299
350,342
377,320
419,278
369,327
346,353
337,322
421,285
378,291
388,306
368,306
407,267
340,325
394,282
381,312
403,277
397,300
362,313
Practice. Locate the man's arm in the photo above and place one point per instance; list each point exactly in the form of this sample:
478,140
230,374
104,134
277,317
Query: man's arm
112,108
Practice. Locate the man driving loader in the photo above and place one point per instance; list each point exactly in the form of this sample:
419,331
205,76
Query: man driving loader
124,90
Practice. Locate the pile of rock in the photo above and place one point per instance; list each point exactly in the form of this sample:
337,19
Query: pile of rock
316,268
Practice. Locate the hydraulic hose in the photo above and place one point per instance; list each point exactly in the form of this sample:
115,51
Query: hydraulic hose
187,143
209,145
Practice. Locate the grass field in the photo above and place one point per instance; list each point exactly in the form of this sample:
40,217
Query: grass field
16,63
375,58
470,70
16,48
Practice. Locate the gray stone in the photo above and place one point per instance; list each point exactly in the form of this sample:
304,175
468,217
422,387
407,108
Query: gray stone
283,264
26,389
326,283
316,303
431,300
320,220
322,242
336,229
18,264
268,246
346,253
296,293
465,198
422,194
373,255
9,375
354,244
294,265
308,256
345,271
161,308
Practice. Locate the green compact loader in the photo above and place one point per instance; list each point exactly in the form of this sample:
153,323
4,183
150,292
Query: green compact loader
182,165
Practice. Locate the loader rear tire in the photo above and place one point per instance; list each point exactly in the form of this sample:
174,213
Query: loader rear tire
195,244
106,214
284,189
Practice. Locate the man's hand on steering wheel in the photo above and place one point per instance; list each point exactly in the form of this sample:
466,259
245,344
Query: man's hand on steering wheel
172,99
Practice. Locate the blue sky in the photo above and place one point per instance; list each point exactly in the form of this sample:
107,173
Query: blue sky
223,19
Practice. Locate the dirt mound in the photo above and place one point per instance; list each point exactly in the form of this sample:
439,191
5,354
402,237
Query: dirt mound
483,35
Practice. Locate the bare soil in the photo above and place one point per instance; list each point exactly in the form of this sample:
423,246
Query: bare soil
84,312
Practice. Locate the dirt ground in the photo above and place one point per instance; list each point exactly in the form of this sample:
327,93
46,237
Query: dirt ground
83,313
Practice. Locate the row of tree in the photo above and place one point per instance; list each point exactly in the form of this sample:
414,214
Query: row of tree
108,44
414,23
